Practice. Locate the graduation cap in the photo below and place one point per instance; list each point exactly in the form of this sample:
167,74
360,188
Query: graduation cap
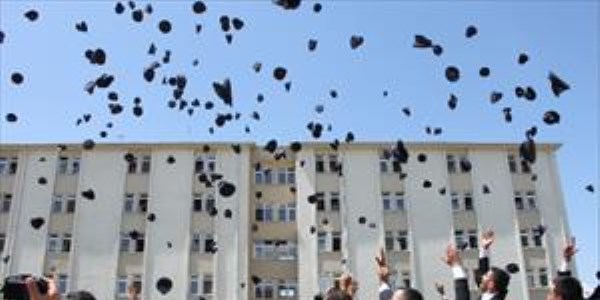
2,36
512,268
32,15
288,86
349,137
312,199
226,189
213,211
422,157
115,108
551,117
225,23
256,280
495,97
223,90
237,23
37,222
11,117
227,213
485,189
406,111
589,188
279,73
164,285
104,80
471,31
198,7
324,221
151,217
465,164
507,114
17,78
531,132
271,146
529,93
558,85
527,151
88,194
287,4
400,153
333,93
452,102
356,41
164,26
312,45
137,15
134,234
81,26
426,184
539,230
462,245
422,41
42,181
170,159
169,245
256,67
149,9
317,7
523,58
452,73
362,220
296,146
292,189
316,129
236,148
484,72
437,50
119,8
533,177
89,144
442,191
312,229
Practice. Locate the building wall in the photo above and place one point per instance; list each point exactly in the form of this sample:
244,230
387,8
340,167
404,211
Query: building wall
429,219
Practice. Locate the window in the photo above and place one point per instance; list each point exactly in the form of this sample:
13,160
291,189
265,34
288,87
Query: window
530,278
465,164
473,239
525,168
143,202
66,243
194,285
387,201
3,165
53,242
319,164
519,201
128,204
320,201
57,204
209,243
268,176
468,201
336,241
62,283
264,289
524,238
259,213
403,240
63,164
322,241
199,165
451,163
281,176
6,200
383,164
71,204
287,212
132,166
291,175
2,241
258,176
145,164
195,245
543,273
389,241
530,196
512,163
197,203
459,239
75,166
400,201
335,201
405,275
292,212
139,243
396,166
124,243
122,286
333,163
210,202
287,289
211,163
268,213
12,166
207,285
455,203
537,238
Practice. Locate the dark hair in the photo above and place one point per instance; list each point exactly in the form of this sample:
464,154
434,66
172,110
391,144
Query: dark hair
501,279
412,294
568,288
337,294
80,295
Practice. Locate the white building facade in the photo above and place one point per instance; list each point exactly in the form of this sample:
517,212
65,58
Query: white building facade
294,222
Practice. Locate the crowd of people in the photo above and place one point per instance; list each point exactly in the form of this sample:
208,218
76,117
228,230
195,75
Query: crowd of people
493,282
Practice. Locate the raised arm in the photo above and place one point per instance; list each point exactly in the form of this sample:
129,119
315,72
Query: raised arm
568,252
487,239
461,283
383,272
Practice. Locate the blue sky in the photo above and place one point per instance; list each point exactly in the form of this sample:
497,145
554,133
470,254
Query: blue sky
559,36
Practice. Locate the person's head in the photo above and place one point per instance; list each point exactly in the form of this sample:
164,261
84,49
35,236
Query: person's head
407,294
337,294
565,288
495,280
80,295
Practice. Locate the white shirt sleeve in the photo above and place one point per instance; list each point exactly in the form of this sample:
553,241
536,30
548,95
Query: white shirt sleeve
458,272
384,286
564,266
484,252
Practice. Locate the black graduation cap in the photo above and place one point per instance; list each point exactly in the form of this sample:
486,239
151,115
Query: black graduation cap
134,234
292,189
104,80
225,23
88,194
406,111
237,23
119,8
6,259
519,92
437,131
42,180
452,102
37,222
151,217
437,50
333,93
512,268
335,145
507,114
312,229
523,58
42,159
312,199
170,159
385,93
349,137
485,189
223,90
164,285
471,31
442,191
495,97
236,148
356,41
226,189
169,245
422,157
271,146
256,67
462,245
81,26
279,73
89,144
324,221
312,44
149,9
213,211
426,184
400,153
422,41
2,36
539,230
296,146
589,188
362,220
465,164
484,72
558,85
32,15
531,132
137,15
131,4
164,26
287,4
317,7
199,7
228,213
256,280
17,78
11,117
288,86
529,93
551,117
452,73
527,151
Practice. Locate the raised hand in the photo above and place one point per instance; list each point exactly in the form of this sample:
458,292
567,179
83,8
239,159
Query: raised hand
452,257
382,268
569,250
487,238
